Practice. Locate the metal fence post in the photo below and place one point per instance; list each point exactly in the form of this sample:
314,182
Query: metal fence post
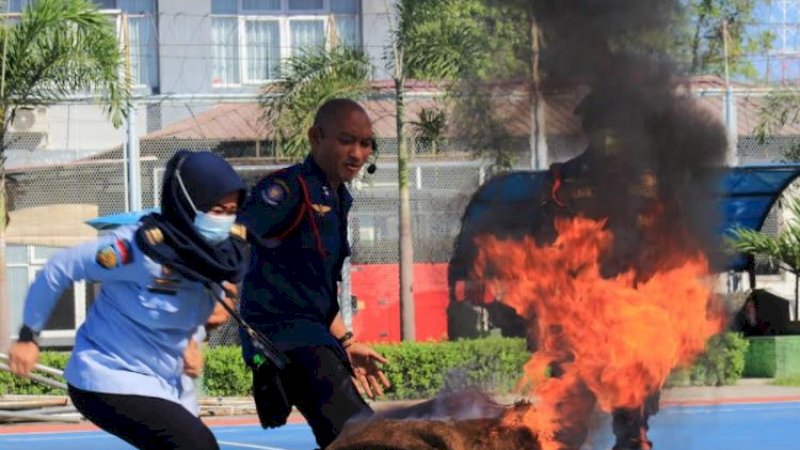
133,163
345,288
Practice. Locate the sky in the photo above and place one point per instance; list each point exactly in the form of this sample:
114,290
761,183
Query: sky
773,67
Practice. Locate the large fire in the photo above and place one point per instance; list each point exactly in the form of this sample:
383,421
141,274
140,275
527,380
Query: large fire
610,340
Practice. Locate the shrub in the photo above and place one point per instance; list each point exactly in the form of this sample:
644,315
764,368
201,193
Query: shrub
721,364
422,369
225,373
418,370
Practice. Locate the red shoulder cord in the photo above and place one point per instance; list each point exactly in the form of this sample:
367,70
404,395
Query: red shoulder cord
556,185
306,210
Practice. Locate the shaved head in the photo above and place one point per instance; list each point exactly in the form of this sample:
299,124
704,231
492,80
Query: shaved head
341,139
335,107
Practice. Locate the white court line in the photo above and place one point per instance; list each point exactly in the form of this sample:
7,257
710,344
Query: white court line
240,444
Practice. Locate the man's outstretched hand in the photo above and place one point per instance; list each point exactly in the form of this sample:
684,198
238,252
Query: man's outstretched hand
369,378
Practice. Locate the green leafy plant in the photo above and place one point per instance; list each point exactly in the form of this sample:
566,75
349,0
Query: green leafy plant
782,249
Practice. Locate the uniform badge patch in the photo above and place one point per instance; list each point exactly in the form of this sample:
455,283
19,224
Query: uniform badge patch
275,192
114,255
239,231
154,235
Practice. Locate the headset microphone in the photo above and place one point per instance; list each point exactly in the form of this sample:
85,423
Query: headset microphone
371,168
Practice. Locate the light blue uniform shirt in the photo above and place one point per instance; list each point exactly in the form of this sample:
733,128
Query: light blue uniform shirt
139,325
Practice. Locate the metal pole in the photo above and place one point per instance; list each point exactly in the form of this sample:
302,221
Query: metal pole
46,369
346,289
38,378
133,163
71,417
731,127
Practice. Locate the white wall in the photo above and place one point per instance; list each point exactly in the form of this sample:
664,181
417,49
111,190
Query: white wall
376,33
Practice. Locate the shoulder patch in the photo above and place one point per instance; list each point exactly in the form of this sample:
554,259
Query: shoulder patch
154,236
275,192
114,255
239,231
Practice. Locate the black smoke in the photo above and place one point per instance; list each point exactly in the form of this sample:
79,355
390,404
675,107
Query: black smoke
620,50
664,152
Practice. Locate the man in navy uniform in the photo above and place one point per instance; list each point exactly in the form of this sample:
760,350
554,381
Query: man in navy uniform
297,223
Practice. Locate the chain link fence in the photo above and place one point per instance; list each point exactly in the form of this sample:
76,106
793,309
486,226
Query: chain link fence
66,165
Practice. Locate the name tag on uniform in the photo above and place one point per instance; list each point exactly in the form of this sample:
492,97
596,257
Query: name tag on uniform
166,284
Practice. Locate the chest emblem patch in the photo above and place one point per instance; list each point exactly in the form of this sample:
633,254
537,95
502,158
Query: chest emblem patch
321,209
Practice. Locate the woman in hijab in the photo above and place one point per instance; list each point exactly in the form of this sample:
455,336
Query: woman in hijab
159,283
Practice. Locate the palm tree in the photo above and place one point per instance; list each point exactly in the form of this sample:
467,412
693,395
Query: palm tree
425,45
57,48
307,81
782,249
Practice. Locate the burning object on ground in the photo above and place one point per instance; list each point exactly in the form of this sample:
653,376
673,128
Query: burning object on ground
455,421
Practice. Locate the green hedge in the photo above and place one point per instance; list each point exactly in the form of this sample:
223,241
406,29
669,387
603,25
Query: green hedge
225,373
418,370
722,364
773,356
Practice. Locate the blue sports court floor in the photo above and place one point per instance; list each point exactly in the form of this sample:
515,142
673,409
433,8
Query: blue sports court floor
726,427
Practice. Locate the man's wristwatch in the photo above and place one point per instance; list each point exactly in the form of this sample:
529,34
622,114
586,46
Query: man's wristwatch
345,339
27,334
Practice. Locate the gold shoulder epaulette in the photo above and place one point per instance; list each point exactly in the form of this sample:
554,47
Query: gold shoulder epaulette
154,235
239,231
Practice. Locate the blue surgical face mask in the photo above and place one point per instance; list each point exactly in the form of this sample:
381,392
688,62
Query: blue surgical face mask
212,227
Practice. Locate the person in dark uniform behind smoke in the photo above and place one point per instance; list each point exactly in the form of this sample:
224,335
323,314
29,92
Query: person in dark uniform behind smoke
612,179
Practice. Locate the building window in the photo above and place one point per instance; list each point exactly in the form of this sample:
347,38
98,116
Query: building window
142,36
23,262
142,30
251,37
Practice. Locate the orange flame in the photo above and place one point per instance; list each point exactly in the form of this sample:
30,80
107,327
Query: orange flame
612,341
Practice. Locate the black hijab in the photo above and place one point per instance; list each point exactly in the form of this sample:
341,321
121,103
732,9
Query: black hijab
169,237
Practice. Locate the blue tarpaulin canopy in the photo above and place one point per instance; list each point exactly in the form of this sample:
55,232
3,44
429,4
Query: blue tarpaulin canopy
746,195
112,221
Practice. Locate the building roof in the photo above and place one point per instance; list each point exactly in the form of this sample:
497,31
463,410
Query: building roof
241,121
224,122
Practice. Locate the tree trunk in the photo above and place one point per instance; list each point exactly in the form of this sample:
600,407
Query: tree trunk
538,138
696,44
5,319
797,296
406,243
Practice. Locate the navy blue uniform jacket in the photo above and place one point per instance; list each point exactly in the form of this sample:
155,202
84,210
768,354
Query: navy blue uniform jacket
298,231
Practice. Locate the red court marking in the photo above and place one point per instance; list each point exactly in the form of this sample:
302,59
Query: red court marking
88,426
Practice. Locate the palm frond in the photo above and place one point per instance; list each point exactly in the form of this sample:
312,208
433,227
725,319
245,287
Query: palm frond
61,47
309,80
783,247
